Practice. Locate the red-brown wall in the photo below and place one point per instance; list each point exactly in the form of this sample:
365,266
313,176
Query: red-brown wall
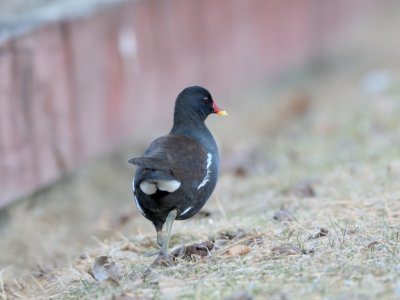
73,89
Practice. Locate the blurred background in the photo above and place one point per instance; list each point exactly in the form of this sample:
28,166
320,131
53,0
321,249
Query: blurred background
86,85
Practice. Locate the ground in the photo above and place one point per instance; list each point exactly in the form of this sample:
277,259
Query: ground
307,205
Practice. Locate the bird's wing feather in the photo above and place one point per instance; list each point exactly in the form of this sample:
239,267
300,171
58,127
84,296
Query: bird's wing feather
179,156
148,162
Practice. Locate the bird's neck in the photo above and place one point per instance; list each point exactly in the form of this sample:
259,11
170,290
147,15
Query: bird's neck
188,121
196,130
192,129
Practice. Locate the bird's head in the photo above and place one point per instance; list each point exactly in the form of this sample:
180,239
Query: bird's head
196,101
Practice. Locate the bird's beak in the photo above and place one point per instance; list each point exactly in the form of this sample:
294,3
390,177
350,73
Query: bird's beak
218,110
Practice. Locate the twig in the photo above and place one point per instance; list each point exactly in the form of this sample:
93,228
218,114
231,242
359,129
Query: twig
344,232
40,286
220,206
238,242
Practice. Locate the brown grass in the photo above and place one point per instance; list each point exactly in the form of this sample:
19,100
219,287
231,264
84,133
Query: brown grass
353,171
314,195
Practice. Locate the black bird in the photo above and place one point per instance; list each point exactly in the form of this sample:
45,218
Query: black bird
178,172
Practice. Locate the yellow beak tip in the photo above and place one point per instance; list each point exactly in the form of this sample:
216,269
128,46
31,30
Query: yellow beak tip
222,113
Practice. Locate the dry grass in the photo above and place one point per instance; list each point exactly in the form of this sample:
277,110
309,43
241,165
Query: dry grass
338,174
357,259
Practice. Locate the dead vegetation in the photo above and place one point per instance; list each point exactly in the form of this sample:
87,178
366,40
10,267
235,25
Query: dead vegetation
308,208
323,224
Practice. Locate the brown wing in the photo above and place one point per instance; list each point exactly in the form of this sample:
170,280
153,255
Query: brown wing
182,157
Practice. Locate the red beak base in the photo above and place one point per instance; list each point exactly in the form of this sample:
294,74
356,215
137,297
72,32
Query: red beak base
218,110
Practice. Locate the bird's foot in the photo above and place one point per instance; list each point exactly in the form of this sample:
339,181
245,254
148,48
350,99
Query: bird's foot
162,252
164,261
153,253
163,239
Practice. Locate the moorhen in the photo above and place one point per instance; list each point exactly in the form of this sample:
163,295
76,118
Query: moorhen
178,172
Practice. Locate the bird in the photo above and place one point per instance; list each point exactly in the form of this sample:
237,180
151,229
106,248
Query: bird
178,172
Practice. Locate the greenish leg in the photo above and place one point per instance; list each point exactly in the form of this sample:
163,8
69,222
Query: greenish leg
163,239
159,238
152,253
170,219
159,243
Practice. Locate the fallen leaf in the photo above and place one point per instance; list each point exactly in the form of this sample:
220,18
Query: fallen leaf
189,252
286,249
162,261
238,250
103,270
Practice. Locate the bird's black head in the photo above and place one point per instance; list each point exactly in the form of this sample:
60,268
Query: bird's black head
195,103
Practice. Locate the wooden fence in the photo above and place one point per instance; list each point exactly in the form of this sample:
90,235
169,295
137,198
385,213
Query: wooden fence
74,88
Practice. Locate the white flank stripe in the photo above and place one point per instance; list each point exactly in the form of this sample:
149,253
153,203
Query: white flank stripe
186,211
133,184
209,157
207,177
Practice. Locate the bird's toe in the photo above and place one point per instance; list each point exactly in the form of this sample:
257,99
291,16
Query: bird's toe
153,253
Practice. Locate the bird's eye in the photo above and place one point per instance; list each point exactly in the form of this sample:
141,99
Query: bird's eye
206,99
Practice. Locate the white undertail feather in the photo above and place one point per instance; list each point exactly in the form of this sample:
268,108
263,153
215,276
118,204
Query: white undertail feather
207,177
150,187
168,185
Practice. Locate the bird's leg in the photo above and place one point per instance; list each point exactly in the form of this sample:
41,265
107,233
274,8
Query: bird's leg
152,253
159,227
163,239
170,219
159,237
